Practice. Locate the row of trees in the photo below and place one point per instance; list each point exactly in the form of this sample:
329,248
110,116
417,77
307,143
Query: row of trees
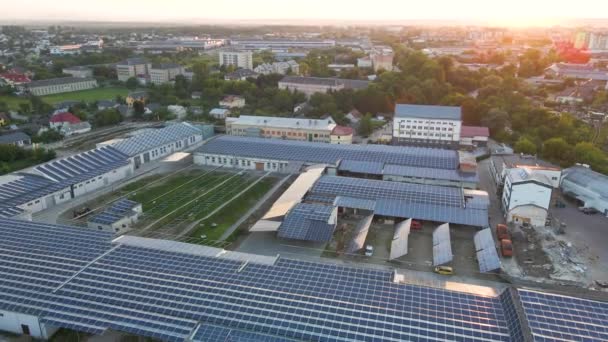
14,157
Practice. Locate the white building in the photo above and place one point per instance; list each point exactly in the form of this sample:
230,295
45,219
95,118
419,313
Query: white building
78,71
588,186
364,62
232,101
165,72
427,125
132,67
501,165
526,197
154,144
282,68
62,50
239,59
118,218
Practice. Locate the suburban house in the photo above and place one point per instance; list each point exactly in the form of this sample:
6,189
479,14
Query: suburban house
15,138
241,75
219,113
78,71
232,101
132,67
474,136
132,97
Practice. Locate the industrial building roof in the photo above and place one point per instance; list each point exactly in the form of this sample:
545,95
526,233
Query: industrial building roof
59,81
83,280
511,161
377,168
291,123
587,178
115,212
310,222
327,81
20,188
83,166
428,112
156,138
408,200
311,152
474,131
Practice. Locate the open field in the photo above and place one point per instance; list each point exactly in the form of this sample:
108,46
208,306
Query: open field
90,95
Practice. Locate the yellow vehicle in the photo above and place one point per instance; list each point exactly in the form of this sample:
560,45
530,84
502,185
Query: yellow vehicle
445,270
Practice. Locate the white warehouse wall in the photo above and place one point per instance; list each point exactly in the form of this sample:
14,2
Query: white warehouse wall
105,179
11,322
239,162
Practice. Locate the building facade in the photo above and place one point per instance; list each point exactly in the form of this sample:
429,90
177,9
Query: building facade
60,85
165,72
78,71
427,125
132,67
587,186
239,59
281,128
526,197
310,85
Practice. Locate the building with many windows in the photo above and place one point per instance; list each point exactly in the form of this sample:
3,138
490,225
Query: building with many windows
78,71
427,125
132,67
526,197
317,130
165,72
239,59
60,85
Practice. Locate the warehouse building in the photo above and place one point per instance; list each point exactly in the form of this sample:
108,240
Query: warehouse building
22,194
169,291
118,218
87,171
315,130
526,197
587,186
78,71
157,143
311,85
60,85
407,164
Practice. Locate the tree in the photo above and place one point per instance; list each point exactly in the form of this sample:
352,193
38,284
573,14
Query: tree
131,83
24,108
496,119
557,150
587,153
107,117
525,146
365,125
139,109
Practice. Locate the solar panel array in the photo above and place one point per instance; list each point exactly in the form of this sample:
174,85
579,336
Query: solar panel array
79,279
311,152
487,256
83,166
117,211
430,173
406,200
442,245
310,222
25,188
355,166
553,317
354,203
360,234
399,244
155,138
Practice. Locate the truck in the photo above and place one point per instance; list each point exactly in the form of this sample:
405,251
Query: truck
506,248
502,231
416,225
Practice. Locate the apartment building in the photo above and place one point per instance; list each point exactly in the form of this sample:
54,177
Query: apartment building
315,130
60,85
427,125
239,59
165,72
132,67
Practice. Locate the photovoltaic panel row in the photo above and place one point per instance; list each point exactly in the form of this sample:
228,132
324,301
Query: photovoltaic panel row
483,239
399,244
487,256
355,166
430,212
354,203
441,234
554,317
377,189
442,245
311,152
155,138
308,222
431,173
360,232
25,188
211,333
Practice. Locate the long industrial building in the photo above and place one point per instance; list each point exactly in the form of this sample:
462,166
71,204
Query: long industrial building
66,277
406,163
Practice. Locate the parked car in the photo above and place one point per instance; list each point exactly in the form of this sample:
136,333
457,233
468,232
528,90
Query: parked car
506,248
416,225
502,231
588,210
444,270
369,250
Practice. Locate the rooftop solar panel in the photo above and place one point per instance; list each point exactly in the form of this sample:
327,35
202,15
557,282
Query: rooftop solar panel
399,244
155,138
487,256
360,234
78,279
309,222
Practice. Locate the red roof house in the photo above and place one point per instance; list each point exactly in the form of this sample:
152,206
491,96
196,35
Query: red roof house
13,78
63,118
474,131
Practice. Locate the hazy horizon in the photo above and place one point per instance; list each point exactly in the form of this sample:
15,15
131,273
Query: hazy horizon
514,13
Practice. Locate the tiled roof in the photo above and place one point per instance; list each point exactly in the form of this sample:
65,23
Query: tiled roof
65,117
474,131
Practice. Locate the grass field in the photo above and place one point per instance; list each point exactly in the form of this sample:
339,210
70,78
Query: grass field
90,95
185,199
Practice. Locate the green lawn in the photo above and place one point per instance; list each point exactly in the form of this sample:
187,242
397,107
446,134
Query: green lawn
231,213
91,95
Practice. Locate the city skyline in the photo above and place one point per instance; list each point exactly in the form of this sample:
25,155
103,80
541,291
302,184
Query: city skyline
519,12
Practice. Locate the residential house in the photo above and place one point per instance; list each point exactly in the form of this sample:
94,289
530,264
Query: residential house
241,75
341,135
219,113
165,72
4,119
15,138
282,68
63,119
196,95
354,116
132,97
132,67
106,104
232,101
239,59
474,136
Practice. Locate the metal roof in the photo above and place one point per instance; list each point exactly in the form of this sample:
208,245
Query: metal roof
399,244
586,178
360,234
428,112
309,222
115,212
11,138
20,188
155,138
311,152
83,166
442,245
59,81
485,248
279,122
81,279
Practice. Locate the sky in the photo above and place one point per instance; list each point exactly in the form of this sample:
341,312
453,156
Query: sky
500,12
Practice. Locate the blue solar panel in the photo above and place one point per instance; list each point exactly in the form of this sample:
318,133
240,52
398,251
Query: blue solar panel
308,222
156,138
553,317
